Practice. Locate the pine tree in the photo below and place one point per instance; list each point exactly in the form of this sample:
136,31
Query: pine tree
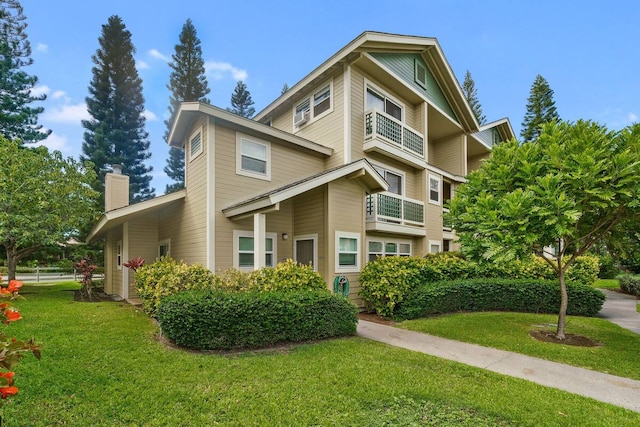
471,95
18,119
241,102
541,109
187,82
285,88
116,132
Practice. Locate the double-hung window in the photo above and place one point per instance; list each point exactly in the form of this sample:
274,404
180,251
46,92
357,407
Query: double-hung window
313,107
347,252
253,157
434,189
244,256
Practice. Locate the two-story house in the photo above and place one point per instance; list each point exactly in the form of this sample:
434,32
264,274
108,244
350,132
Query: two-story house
353,162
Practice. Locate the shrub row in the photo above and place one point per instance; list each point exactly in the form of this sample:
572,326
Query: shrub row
223,320
386,281
629,283
523,295
167,277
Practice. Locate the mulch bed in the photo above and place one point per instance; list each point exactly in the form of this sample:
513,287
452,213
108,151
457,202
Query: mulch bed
571,339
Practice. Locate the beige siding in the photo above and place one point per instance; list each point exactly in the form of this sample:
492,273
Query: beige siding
448,155
309,218
346,214
474,163
413,177
143,242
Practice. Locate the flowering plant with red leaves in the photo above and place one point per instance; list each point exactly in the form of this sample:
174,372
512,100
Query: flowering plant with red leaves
11,349
134,263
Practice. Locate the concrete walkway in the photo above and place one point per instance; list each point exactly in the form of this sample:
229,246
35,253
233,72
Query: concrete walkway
618,391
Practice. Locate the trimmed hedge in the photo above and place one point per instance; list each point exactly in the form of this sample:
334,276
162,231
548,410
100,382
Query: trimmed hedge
629,283
219,320
524,295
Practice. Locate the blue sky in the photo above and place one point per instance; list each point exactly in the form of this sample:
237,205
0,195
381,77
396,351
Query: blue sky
587,50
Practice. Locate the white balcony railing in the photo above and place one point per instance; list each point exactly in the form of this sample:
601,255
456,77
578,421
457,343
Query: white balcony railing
382,126
396,209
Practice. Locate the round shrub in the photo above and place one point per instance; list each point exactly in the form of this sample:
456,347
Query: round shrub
288,276
608,267
585,270
629,283
219,320
167,277
522,295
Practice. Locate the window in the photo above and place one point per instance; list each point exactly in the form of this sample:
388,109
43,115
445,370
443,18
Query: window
395,179
377,248
347,252
420,72
315,106
164,248
376,100
253,157
119,254
435,246
195,144
434,189
244,253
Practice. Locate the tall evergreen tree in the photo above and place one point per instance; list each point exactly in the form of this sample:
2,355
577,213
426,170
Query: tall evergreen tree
18,119
187,82
285,88
541,109
116,132
241,102
471,95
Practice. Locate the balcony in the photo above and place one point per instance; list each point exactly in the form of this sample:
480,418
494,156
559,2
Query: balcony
394,209
397,139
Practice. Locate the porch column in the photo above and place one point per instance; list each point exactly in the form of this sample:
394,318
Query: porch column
259,236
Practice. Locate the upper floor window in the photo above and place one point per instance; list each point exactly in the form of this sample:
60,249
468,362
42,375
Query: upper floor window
253,157
434,189
395,180
314,106
375,99
195,144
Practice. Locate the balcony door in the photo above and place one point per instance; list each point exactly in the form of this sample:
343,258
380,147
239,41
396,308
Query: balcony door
380,102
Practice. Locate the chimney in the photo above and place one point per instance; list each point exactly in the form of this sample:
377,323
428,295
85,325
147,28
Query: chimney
116,189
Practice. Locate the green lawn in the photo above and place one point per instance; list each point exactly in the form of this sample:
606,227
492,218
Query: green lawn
102,366
607,284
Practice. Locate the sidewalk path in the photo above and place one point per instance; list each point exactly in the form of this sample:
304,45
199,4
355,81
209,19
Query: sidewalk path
618,391
621,310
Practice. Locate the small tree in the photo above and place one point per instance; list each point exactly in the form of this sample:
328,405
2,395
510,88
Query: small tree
569,189
86,269
541,109
471,95
241,102
44,199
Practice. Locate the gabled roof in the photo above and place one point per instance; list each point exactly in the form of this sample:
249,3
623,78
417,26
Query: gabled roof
502,126
361,170
116,217
370,41
189,112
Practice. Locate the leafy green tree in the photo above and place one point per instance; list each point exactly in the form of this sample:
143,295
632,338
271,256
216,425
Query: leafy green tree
116,132
569,189
541,109
18,118
187,82
44,199
241,102
471,95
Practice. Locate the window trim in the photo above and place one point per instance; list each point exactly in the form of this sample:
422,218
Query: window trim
439,179
193,155
437,243
119,254
311,100
419,65
384,242
375,88
162,243
239,171
236,249
348,268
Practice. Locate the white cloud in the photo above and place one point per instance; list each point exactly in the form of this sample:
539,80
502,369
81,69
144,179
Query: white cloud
633,118
141,65
67,113
150,116
40,90
41,47
217,70
156,54
58,94
56,142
